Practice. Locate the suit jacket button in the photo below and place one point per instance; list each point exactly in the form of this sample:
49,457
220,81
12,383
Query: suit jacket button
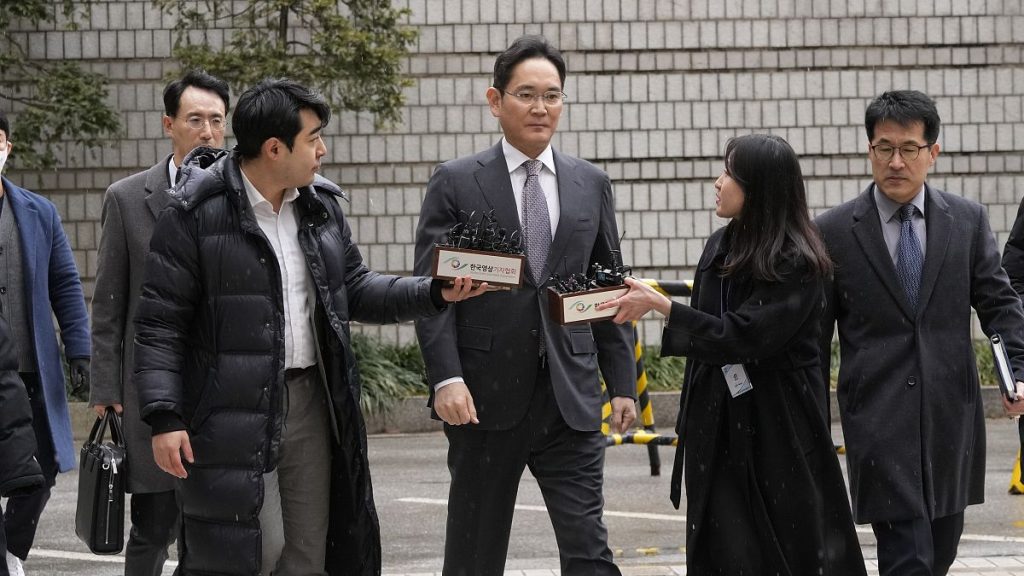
533,332
912,381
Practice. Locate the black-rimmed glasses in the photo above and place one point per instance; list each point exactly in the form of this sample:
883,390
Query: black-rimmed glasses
909,152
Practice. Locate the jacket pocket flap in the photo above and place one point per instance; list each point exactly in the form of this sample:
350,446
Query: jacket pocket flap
582,342
475,337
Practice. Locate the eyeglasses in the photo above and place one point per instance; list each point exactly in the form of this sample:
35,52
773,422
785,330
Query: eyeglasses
909,152
198,123
550,98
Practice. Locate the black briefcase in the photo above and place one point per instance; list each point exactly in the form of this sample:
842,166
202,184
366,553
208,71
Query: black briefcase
99,519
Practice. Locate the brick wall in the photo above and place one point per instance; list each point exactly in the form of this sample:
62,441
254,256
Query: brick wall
656,88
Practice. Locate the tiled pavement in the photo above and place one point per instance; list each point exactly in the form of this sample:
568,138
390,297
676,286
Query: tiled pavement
991,566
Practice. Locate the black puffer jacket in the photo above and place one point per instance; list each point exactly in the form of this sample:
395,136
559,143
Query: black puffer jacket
209,350
19,470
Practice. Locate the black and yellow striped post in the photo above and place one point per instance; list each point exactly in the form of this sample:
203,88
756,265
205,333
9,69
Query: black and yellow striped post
646,418
1016,484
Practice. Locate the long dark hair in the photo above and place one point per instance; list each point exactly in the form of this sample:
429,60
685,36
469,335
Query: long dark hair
773,227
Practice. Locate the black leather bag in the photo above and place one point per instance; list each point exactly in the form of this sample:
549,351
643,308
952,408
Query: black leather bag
99,519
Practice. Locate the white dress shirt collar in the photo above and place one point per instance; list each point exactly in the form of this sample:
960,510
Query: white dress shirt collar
256,199
515,158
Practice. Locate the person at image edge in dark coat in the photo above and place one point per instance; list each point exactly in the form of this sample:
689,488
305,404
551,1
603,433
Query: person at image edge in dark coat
20,473
764,491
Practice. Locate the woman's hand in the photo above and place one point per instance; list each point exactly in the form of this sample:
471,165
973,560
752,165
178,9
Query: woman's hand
640,300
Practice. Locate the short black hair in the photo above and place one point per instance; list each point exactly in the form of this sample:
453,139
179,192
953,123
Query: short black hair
196,79
524,48
271,109
904,107
5,125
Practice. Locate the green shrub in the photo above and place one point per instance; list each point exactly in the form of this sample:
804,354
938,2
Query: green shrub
391,372
663,373
388,373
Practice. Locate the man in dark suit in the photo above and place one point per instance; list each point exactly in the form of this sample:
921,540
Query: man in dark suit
910,263
514,387
195,110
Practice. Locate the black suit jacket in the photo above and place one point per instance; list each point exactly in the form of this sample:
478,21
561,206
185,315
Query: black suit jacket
908,383
492,341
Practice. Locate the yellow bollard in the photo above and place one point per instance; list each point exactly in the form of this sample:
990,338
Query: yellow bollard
1016,486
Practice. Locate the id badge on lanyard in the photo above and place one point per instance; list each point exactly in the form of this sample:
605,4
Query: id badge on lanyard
735,374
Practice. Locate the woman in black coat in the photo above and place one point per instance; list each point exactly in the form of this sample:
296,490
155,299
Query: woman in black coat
764,490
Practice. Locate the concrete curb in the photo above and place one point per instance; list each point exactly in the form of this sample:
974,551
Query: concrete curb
411,414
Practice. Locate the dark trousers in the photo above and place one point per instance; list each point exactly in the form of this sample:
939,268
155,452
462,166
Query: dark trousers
919,547
22,515
486,467
154,527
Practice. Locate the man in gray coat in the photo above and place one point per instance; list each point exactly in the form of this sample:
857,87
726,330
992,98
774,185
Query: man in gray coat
910,263
195,109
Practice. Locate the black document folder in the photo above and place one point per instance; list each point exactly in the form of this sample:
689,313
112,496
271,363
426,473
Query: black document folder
1007,382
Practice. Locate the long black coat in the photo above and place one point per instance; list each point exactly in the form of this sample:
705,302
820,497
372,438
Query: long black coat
19,470
908,383
764,490
210,348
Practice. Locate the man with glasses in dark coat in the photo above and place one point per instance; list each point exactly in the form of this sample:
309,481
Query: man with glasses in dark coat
911,261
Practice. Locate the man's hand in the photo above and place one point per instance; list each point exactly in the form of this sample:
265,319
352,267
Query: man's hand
79,368
454,404
167,450
100,409
623,414
462,289
1015,409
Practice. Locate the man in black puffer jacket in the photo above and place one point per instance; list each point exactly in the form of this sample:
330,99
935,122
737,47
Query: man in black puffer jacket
19,471
242,350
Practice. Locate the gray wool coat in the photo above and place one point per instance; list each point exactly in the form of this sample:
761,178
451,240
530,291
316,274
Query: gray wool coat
130,210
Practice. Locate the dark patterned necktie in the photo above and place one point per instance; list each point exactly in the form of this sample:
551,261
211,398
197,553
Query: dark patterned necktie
909,259
536,221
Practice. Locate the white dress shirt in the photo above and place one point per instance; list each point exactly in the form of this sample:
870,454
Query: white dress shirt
282,229
172,171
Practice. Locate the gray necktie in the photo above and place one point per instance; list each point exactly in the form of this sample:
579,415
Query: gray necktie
536,221
909,259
